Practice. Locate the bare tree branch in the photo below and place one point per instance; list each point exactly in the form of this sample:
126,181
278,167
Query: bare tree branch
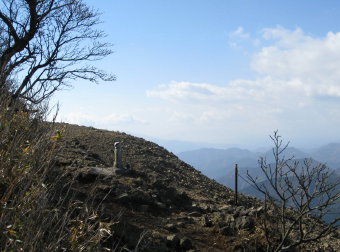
46,44
305,187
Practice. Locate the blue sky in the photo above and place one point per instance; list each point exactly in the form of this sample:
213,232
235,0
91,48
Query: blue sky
218,72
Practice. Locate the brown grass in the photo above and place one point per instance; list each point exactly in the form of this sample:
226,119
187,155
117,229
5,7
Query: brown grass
38,209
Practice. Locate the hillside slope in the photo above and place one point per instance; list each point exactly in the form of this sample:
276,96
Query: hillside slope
160,203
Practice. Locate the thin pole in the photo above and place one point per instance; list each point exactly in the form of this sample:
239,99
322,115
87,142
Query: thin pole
236,178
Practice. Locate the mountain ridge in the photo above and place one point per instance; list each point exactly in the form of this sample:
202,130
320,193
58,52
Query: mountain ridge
163,203
215,162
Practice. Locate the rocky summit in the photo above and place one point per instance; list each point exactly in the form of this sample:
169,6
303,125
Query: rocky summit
155,201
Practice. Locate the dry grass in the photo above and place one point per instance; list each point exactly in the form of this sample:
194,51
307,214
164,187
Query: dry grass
38,209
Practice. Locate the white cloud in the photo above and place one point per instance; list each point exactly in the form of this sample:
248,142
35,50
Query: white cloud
89,119
297,78
294,65
286,38
295,55
263,90
238,37
239,33
188,91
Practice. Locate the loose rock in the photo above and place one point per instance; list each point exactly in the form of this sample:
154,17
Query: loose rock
244,222
173,241
228,231
206,222
185,243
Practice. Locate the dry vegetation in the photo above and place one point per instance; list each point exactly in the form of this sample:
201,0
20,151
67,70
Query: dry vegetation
38,211
301,194
43,45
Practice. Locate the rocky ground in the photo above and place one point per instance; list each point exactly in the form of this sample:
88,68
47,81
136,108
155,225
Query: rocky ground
159,203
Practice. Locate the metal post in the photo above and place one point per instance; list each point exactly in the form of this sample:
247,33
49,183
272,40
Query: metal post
236,180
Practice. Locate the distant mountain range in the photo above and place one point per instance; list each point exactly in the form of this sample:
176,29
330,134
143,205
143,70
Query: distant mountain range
250,190
219,163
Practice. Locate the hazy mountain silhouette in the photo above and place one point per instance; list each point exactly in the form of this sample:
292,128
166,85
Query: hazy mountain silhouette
329,154
216,162
219,163
252,191
290,152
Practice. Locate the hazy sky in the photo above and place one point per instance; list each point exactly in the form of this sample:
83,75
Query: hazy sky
216,71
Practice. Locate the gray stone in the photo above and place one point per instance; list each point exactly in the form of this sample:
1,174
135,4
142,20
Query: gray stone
244,222
180,224
171,227
260,210
118,155
227,209
195,208
228,231
160,205
230,201
206,222
122,196
218,216
205,208
121,171
91,174
229,218
252,212
185,244
244,212
240,211
185,219
195,214
173,241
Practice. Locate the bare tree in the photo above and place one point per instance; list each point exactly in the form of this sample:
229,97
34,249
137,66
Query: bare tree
298,195
46,43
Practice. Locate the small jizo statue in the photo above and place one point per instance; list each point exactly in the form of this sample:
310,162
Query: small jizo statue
118,155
